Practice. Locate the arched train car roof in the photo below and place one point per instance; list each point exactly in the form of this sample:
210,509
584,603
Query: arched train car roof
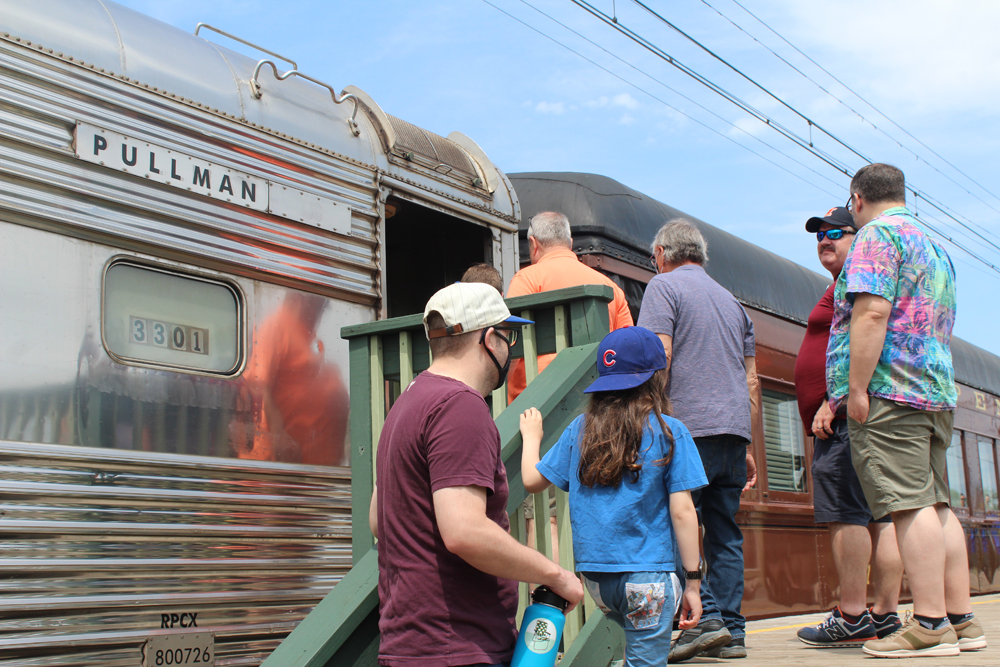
622,222
122,43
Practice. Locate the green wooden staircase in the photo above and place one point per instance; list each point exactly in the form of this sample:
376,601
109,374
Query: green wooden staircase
342,630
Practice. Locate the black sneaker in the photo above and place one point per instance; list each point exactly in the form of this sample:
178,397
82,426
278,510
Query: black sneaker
736,648
836,632
707,635
887,626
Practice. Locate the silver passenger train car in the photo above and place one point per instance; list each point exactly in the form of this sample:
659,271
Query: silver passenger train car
184,230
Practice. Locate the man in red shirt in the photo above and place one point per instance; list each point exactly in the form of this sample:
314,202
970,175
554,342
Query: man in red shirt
554,266
837,496
448,567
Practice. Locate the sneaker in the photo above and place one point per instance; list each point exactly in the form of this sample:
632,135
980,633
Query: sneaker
885,628
705,636
836,632
970,635
915,641
736,648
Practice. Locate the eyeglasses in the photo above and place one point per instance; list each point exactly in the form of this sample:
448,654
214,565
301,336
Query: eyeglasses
850,203
832,234
510,338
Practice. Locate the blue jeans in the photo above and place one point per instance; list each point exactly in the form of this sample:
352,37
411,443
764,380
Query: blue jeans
643,604
725,461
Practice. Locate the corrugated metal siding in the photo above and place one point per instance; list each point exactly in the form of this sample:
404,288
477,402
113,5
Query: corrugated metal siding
97,544
409,137
40,103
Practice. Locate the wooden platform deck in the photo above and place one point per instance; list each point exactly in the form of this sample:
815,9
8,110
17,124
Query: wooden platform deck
773,643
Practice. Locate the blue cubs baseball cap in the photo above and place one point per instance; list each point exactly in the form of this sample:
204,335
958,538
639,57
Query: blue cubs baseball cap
626,358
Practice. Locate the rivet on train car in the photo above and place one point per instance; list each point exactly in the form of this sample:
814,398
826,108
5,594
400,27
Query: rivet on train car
28,43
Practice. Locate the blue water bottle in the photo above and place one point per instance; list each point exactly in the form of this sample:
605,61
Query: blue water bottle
541,630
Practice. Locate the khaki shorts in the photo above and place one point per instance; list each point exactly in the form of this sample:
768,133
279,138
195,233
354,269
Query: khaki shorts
899,455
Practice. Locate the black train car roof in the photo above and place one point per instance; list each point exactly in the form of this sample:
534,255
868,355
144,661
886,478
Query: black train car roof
612,219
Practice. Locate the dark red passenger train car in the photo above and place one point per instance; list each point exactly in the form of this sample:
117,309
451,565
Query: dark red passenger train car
789,564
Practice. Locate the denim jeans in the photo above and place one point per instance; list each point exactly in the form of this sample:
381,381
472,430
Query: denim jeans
643,604
724,458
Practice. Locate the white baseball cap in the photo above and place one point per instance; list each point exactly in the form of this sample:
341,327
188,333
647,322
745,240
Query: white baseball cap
468,307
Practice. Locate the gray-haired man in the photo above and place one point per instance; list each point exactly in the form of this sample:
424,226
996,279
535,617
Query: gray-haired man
713,389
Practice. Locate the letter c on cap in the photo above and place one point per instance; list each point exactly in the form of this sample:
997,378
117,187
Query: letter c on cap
609,358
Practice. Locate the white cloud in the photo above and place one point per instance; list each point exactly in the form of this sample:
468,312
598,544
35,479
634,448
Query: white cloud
554,108
620,100
625,100
626,119
926,56
751,126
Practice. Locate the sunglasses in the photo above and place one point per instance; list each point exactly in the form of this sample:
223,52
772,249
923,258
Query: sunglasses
510,338
832,234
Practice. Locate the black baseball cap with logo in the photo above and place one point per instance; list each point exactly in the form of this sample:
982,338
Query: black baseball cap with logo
838,217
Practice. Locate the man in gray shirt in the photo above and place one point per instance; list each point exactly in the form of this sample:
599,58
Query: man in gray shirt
713,390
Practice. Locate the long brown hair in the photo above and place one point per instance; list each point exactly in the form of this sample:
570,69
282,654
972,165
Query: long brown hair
613,428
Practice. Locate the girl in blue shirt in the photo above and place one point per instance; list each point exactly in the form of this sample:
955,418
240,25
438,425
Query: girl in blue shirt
629,470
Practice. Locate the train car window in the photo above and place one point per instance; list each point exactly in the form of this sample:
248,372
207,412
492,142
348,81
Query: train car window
170,320
988,469
956,472
784,443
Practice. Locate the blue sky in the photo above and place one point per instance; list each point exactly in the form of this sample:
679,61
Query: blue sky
533,105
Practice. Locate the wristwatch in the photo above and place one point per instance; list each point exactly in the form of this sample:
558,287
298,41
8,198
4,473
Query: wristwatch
694,575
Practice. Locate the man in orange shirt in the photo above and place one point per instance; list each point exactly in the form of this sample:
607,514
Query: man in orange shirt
554,266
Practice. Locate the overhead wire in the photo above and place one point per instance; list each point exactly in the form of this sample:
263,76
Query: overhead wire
670,106
675,91
616,24
812,123
858,95
855,111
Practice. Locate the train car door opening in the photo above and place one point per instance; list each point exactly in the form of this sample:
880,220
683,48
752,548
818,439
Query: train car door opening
425,250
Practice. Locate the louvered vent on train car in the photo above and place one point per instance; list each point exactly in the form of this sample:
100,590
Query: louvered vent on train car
442,152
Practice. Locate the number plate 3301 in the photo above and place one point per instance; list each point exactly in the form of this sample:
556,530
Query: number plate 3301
186,649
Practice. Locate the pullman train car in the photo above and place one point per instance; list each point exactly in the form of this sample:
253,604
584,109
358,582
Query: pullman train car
789,564
185,230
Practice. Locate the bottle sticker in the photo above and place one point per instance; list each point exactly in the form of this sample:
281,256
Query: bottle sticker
540,635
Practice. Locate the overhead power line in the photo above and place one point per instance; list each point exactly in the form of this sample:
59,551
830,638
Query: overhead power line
858,113
617,25
673,90
858,95
670,106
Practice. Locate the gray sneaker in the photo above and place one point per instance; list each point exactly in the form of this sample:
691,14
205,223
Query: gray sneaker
707,635
736,648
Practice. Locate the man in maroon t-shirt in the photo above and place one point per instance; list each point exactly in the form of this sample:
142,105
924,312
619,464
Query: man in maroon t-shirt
837,496
448,567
